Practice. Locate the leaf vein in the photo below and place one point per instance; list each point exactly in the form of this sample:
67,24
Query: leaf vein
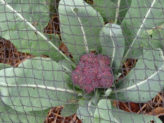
82,29
142,82
140,28
39,86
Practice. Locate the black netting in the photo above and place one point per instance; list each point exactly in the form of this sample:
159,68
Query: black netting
81,61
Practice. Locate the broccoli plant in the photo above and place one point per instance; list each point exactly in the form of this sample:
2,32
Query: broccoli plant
88,83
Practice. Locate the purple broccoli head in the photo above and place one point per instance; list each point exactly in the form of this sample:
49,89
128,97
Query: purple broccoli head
92,72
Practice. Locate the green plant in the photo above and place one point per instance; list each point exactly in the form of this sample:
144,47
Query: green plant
37,84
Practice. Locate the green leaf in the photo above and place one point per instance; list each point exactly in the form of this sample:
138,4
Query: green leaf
8,115
112,10
124,6
69,109
153,38
86,109
3,66
142,15
107,9
112,42
126,117
67,65
51,52
144,81
80,26
37,84
105,113
23,22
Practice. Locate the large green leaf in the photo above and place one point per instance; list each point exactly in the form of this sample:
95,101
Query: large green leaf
103,113
112,42
69,109
87,107
8,115
153,38
80,26
106,114
37,84
107,9
112,10
126,117
3,66
124,6
23,22
86,110
142,15
144,81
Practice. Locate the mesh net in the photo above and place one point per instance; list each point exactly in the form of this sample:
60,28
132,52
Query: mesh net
81,61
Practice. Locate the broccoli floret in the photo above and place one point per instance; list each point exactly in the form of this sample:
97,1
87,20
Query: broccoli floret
92,72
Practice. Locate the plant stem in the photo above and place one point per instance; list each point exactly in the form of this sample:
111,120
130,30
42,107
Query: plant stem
117,11
34,29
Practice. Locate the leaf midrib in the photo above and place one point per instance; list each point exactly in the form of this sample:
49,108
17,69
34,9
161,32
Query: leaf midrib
140,28
39,86
141,82
114,47
82,30
8,6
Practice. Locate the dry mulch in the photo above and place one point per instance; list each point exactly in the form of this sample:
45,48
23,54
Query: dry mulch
53,25
54,116
10,55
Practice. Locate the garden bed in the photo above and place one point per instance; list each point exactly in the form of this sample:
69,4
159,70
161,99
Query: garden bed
10,55
92,65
